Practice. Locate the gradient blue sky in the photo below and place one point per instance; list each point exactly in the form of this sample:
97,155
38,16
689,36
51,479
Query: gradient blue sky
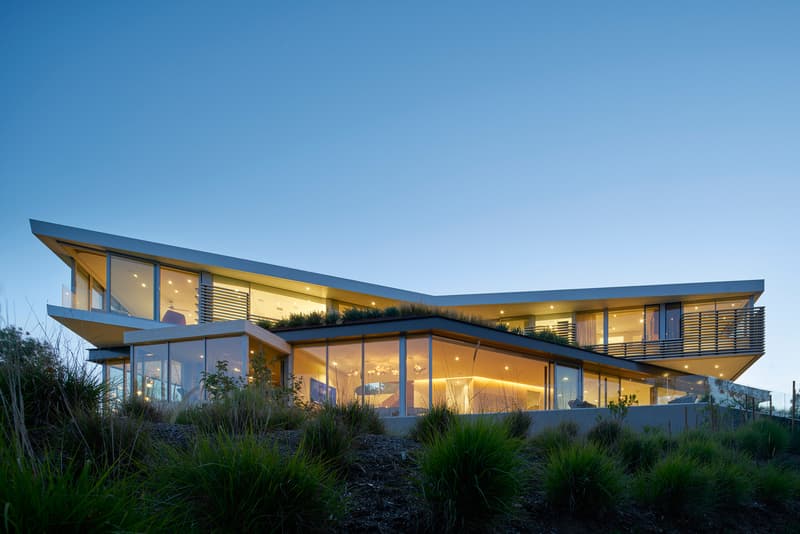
440,147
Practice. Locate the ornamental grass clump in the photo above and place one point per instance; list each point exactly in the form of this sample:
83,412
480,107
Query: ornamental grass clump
471,476
639,452
583,480
358,418
439,419
763,439
552,439
677,486
518,423
776,486
605,433
327,439
227,484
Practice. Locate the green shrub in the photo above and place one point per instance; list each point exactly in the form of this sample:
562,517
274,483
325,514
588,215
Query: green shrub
605,433
518,423
108,445
433,424
357,418
775,486
583,480
40,496
251,409
240,485
552,439
471,476
639,452
677,486
763,439
326,438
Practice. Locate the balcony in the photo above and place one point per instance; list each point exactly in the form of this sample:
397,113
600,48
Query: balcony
564,329
716,333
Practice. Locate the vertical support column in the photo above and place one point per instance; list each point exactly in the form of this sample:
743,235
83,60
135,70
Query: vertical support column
246,359
430,371
156,292
327,365
605,328
403,383
107,294
363,370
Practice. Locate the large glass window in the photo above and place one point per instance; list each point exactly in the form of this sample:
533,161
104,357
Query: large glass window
150,370
273,303
652,317
590,328
382,375
344,372
625,326
229,349
592,389
132,287
309,368
187,363
474,379
117,380
417,369
673,320
178,296
567,383
81,301
636,391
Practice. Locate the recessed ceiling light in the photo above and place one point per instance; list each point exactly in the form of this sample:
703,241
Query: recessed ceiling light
144,285
308,288
720,374
189,280
457,358
502,312
373,303
551,306
506,368
685,366
169,282
716,367
176,291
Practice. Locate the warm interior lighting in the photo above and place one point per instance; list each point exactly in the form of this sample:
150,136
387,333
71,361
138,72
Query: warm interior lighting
506,368
720,374
502,312
685,366
135,275
373,303
716,367
551,306
144,285
189,280
457,358
308,288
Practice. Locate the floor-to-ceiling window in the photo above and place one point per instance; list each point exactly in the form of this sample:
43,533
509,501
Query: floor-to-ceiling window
150,364
178,296
590,329
345,372
131,287
187,363
382,375
625,326
567,386
417,375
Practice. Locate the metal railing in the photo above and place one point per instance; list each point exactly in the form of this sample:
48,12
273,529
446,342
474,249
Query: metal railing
722,332
565,330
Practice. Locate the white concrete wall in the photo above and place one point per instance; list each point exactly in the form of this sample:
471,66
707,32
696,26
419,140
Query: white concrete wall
671,418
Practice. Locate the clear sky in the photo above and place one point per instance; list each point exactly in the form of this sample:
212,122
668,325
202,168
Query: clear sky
444,147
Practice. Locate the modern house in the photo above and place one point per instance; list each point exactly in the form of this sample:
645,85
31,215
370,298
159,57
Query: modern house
160,315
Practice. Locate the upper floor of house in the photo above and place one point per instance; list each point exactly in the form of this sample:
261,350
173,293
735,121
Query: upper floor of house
118,284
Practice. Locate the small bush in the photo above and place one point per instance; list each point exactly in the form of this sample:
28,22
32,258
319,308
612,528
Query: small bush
518,423
732,484
328,439
433,424
775,486
677,486
471,475
240,485
583,480
605,433
550,440
763,439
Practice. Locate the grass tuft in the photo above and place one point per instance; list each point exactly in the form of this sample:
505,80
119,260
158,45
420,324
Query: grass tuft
433,424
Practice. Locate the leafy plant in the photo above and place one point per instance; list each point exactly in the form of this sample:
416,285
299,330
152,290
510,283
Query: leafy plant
220,383
583,480
552,439
471,475
619,409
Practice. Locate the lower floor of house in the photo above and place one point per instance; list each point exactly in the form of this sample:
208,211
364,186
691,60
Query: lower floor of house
397,374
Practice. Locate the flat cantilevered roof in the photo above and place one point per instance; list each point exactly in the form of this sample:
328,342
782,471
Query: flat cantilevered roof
56,237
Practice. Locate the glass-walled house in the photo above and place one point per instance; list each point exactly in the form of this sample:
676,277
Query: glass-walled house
147,308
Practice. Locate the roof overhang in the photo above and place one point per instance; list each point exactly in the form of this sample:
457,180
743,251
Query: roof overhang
99,328
55,237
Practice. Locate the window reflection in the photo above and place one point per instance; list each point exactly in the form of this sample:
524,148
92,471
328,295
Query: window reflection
132,287
178,296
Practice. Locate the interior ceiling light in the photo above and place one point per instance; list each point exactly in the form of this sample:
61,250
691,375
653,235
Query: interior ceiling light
457,358
169,282
135,275
551,306
189,280
685,366
373,303
716,366
308,288
502,312
506,368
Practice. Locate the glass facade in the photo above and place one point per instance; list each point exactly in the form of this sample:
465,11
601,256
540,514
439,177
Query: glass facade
345,372
417,375
382,375
186,366
590,329
132,290
178,296
273,303
309,368
117,380
150,363
567,386
625,326
230,350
